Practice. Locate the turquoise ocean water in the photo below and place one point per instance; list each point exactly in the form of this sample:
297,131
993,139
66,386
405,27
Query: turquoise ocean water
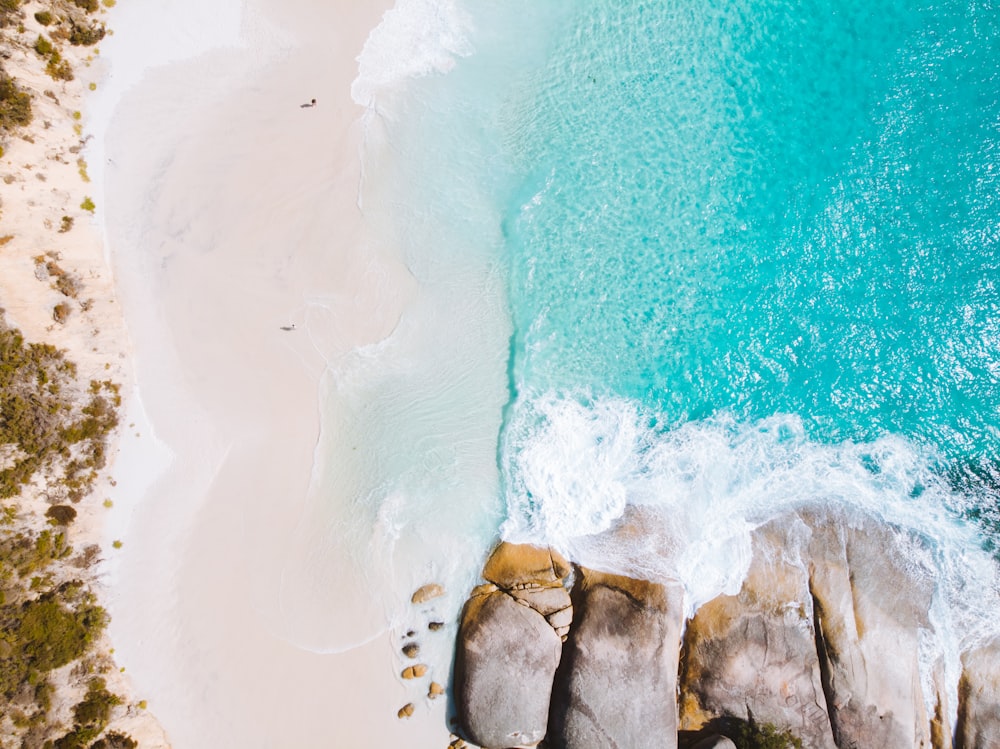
720,261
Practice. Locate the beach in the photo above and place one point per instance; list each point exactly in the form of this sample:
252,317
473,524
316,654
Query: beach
244,269
384,283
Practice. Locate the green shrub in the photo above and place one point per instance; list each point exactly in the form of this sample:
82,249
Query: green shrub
113,739
86,35
8,8
95,710
88,5
40,415
61,514
15,104
79,738
755,735
88,204
68,285
43,46
51,634
43,17
58,68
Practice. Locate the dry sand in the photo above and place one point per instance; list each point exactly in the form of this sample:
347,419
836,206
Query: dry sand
232,212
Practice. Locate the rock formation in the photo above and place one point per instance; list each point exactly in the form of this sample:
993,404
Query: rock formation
507,649
979,698
821,645
617,684
869,612
753,655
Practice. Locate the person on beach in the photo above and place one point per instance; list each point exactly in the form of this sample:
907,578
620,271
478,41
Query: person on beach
309,105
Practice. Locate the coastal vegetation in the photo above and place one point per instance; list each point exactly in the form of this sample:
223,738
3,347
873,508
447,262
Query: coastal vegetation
15,104
59,685
63,21
46,422
53,437
753,735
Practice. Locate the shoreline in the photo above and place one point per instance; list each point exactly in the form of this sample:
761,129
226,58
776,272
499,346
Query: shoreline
237,214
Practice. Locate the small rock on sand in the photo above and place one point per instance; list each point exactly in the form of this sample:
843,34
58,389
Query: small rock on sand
414,672
435,626
435,690
411,649
405,711
427,592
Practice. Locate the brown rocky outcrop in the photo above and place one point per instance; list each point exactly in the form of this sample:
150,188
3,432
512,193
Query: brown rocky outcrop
508,651
979,698
617,684
753,655
512,566
822,640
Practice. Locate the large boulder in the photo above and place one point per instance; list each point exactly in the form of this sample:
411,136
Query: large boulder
509,646
823,640
617,686
979,698
752,656
870,608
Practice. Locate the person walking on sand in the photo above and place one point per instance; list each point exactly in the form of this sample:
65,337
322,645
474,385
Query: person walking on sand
308,105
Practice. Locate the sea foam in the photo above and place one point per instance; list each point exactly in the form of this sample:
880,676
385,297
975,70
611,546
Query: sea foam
578,469
415,38
601,480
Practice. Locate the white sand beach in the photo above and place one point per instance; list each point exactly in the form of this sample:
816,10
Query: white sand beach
243,268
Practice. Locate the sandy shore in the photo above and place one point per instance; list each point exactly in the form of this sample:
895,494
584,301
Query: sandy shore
232,214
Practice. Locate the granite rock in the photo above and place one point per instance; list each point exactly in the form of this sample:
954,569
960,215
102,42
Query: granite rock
979,698
617,685
506,659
